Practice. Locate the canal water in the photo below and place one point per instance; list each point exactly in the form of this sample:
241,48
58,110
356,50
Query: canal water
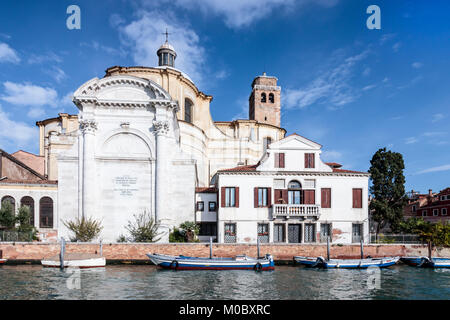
286,282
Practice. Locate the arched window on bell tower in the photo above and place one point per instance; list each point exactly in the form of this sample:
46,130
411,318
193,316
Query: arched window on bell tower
271,98
263,97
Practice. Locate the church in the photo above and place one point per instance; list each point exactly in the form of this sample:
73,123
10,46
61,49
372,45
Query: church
144,140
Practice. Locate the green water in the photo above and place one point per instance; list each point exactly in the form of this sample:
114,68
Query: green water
286,282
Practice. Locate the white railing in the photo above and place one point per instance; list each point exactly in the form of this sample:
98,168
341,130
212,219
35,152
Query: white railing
296,210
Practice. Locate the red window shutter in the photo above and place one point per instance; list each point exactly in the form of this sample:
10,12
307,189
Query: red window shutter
357,198
310,197
326,198
277,195
269,197
236,195
255,195
285,196
222,197
277,160
306,160
281,160
313,164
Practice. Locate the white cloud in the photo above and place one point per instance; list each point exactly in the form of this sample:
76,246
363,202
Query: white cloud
15,134
387,37
366,71
396,46
434,133
371,86
332,87
437,117
238,13
417,65
28,94
56,73
445,167
99,47
144,36
8,54
411,140
41,58
331,155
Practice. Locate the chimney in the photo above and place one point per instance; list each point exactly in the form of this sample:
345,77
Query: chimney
430,192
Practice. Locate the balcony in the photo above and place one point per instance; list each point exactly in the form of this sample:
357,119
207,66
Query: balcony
296,210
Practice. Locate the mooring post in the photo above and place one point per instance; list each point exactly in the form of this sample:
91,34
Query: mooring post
429,250
101,248
328,248
257,246
61,253
1,254
362,248
210,247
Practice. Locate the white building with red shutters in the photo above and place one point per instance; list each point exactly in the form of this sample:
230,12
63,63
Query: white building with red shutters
292,196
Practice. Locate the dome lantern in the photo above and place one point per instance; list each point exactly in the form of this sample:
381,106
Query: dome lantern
166,53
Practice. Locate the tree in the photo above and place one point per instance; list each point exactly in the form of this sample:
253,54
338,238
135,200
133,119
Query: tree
187,232
84,229
25,227
144,228
388,190
7,216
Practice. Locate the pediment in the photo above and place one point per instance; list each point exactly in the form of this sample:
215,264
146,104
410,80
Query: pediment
295,142
117,90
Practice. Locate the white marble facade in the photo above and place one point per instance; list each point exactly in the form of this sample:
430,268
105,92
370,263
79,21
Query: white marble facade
127,158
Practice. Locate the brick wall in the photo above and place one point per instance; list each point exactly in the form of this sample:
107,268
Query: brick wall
133,251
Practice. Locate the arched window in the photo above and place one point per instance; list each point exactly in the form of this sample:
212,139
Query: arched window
267,141
29,202
188,110
46,212
11,201
294,192
263,97
271,98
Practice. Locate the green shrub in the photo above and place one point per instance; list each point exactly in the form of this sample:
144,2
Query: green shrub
187,232
25,227
84,229
144,228
7,216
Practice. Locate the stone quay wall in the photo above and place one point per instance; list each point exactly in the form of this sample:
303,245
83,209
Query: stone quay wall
135,252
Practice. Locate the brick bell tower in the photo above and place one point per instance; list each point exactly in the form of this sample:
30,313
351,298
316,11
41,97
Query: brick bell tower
264,101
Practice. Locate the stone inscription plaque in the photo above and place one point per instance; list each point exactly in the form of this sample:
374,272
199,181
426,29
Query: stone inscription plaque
125,185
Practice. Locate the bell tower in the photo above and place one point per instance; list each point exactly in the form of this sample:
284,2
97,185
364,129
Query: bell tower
264,101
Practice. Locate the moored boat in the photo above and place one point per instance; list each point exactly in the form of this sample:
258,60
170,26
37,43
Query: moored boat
3,261
75,260
426,262
321,262
240,262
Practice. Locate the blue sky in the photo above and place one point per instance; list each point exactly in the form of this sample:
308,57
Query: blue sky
352,89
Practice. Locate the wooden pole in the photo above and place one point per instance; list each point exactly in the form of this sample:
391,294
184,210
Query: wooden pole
362,249
101,247
61,254
429,250
257,246
210,247
328,248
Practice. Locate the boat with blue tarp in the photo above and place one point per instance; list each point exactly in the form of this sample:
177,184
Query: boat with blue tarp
426,262
240,262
